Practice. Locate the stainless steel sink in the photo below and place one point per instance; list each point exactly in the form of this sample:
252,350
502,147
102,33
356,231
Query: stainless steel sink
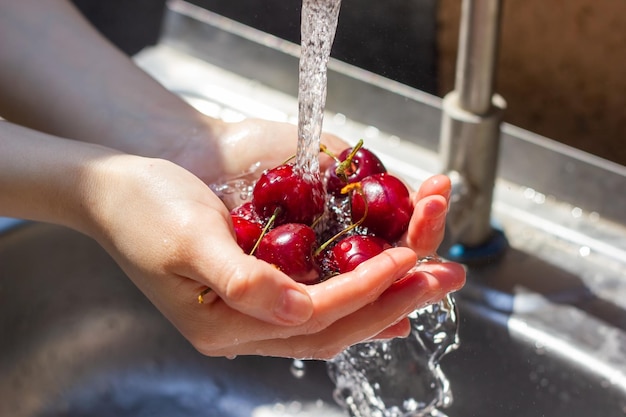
78,339
542,330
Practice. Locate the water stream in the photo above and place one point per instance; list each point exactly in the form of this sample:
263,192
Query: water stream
318,26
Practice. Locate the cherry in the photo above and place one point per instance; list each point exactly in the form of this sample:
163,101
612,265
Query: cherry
299,198
381,202
246,211
247,232
289,247
349,252
352,167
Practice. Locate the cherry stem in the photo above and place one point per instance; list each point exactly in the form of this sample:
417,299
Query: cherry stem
343,166
267,226
324,149
286,161
317,220
345,190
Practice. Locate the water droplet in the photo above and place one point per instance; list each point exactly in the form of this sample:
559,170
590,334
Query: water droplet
529,193
339,119
584,251
577,212
539,198
298,368
371,132
279,408
393,140
540,348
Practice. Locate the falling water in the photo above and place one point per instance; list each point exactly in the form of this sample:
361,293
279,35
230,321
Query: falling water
318,26
399,377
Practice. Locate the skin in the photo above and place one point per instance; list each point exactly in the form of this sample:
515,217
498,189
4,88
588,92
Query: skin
93,143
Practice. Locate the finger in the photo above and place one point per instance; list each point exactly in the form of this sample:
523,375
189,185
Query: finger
449,277
332,300
340,295
436,185
404,296
346,293
384,318
400,329
427,225
252,286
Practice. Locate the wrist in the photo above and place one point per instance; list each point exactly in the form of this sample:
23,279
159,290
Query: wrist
46,178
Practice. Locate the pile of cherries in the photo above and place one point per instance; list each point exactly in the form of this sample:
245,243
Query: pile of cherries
314,226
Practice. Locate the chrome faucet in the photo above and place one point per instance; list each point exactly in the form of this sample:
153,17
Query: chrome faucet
470,133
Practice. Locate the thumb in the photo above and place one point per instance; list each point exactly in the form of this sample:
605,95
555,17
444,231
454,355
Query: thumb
256,288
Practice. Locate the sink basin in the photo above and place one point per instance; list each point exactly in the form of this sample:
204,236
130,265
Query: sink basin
78,339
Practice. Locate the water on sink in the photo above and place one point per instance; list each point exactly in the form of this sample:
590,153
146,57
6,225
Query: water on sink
400,377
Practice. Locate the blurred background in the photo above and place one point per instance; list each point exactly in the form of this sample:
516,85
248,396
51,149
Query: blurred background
561,67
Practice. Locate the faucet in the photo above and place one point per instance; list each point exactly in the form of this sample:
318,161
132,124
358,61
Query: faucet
470,135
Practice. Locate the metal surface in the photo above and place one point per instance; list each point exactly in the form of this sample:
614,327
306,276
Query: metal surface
77,339
478,49
543,331
469,149
470,132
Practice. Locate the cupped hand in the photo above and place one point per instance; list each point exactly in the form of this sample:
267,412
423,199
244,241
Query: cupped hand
371,302
173,237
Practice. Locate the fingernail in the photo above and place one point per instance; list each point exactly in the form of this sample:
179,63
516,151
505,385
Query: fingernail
293,307
434,209
435,212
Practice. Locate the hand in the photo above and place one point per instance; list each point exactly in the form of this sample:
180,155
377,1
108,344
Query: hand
383,301
243,314
218,150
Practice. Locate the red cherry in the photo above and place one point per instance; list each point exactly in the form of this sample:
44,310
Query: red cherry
247,232
247,211
289,247
349,252
299,198
386,207
362,164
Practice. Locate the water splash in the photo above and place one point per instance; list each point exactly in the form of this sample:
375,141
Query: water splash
236,190
400,377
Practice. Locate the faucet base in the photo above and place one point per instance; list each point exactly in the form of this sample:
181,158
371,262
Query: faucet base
489,251
469,149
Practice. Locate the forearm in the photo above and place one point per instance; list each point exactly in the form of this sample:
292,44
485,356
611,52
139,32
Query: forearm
58,75
46,178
